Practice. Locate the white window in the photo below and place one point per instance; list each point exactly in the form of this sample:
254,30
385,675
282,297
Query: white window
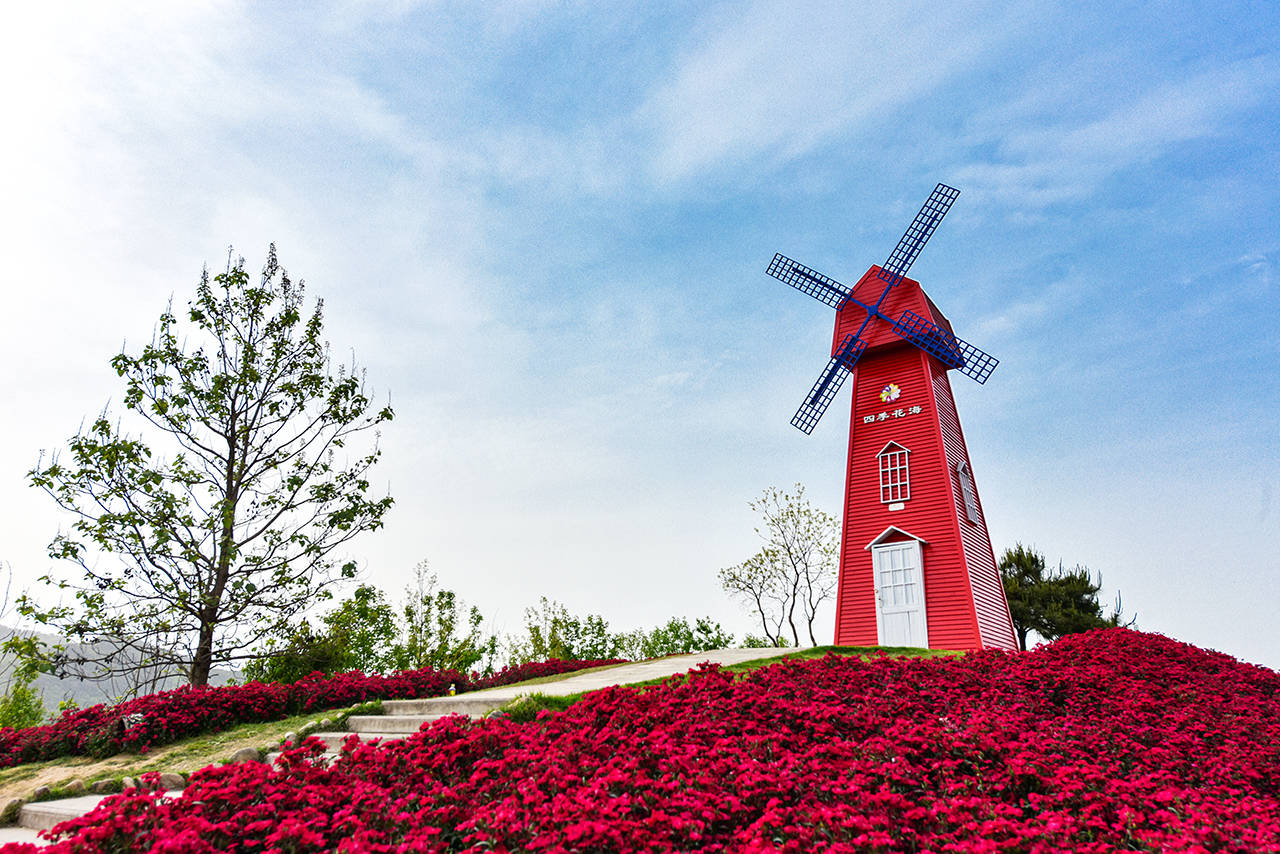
966,489
895,479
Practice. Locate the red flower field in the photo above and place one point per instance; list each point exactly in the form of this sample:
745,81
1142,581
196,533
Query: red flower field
1107,741
168,716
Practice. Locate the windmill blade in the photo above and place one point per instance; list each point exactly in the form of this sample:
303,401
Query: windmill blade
808,281
952,351
922,228
829,382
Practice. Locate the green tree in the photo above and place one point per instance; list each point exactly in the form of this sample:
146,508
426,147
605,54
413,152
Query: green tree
359,634
794,573
552,632
677,637
21,705
439,630
214,534
305,651
1052,603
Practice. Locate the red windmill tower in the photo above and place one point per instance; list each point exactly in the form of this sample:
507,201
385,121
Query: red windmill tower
916,564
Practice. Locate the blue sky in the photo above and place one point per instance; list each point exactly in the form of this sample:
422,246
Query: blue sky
543,228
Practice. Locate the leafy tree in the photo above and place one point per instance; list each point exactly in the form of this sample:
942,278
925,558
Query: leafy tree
21,705
439,631
552,632
359,634
196,547
305,651
676,637
1052,603
794,573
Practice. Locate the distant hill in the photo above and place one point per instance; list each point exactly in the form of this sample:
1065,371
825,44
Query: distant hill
88,692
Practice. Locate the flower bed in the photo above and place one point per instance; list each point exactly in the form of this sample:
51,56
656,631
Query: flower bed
162,718
1108,741
534,670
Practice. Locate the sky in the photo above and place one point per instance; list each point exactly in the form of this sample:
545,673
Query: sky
542,229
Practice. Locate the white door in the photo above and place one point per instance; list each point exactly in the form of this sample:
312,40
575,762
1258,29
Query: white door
900,617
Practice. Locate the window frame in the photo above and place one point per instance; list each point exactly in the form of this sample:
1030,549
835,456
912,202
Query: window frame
967,492
894,465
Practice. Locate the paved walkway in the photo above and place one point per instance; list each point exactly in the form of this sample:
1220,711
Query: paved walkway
48,813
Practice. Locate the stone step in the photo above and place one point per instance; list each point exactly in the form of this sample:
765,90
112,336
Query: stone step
43,815
460,705
334,740
390,723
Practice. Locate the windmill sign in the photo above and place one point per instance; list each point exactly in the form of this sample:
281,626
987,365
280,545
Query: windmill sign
916,563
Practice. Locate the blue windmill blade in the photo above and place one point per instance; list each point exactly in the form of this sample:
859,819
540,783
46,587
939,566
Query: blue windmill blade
829,382
952,351
808,281
918,234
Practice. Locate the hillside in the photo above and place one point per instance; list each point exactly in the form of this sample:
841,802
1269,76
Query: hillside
1113,740
87,692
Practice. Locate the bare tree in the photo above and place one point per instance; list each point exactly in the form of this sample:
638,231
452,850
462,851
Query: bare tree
795,571
191,561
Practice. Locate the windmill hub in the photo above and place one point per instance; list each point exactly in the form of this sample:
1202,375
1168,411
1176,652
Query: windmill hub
916,566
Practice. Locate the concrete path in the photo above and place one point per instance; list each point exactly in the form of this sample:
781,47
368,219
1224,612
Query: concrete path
402,718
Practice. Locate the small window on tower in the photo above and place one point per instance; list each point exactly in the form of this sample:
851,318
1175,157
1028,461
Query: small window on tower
966,489
895,481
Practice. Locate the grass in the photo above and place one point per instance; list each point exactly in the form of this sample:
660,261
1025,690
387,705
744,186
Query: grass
859,651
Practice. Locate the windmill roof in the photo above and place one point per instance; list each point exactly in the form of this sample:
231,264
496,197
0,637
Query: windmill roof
907,295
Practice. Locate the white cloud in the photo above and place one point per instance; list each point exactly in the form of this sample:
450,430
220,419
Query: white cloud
1051,162
782,78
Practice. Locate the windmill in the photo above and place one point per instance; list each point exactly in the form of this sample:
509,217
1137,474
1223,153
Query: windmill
916,563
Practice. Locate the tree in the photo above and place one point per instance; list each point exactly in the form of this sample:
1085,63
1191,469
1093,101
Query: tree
1052,603
359,634
212,535
435,634
21,705
552,632
677,637
794,572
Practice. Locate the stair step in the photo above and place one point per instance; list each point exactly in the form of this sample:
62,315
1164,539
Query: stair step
461,705
391,723
43,815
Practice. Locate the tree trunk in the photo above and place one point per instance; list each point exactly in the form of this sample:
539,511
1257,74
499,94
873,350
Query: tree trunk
203,661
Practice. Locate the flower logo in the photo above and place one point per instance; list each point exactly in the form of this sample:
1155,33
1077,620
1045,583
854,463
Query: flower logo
890,393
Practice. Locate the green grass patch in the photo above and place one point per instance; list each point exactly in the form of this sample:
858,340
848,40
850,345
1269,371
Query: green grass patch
851,651
526,708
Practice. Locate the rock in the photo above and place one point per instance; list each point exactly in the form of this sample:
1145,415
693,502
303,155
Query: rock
170,781
129,783
291,737
102,787
41,793
12,807
75,788
247,754
325,723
